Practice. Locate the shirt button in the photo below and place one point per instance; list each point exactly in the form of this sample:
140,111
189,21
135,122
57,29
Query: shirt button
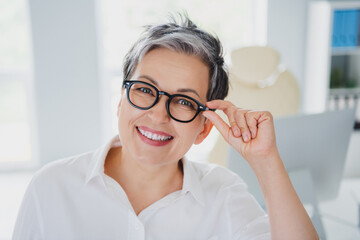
137,226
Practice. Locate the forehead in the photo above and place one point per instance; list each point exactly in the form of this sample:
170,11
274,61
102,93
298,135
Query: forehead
173,70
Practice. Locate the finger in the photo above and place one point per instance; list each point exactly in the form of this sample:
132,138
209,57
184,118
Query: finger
219,123
234,127
219,104
252,121
229,109
241,122
233,124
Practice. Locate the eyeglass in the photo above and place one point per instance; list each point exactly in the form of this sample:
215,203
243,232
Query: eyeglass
181,108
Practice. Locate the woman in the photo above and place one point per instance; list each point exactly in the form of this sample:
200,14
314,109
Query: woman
140,186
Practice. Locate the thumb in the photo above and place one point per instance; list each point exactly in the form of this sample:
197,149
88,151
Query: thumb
219,123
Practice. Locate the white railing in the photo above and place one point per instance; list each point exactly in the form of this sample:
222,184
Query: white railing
345,98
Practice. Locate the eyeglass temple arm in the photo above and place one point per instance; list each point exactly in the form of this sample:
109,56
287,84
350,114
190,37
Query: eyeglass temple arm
204,108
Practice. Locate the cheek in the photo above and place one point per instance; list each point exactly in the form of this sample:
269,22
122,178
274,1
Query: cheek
122,122
125,110
126,114
191,130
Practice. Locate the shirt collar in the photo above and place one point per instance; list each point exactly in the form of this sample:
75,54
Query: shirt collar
191,181
96,167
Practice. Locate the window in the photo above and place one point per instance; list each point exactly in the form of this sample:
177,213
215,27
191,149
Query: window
14,77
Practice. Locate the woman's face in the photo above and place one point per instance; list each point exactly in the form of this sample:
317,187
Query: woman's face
171,72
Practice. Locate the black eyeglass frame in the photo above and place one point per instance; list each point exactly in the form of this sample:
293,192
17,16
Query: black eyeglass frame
201,107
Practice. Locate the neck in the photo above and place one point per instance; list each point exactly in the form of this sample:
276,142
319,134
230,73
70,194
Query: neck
135,176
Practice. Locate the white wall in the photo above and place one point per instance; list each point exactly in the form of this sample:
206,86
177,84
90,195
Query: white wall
67,77
287,34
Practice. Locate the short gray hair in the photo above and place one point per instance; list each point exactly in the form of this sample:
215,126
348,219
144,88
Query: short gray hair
185,37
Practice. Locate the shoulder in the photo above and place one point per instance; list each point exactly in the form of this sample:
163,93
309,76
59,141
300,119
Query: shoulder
213,176
71,169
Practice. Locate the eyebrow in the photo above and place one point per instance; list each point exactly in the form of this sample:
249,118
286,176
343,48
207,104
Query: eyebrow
182,90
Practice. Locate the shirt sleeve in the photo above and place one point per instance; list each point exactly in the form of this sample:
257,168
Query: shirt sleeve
248,219
29,225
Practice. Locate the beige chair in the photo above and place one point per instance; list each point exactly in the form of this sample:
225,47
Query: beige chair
258,81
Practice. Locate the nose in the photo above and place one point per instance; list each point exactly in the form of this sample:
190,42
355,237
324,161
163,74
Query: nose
158,113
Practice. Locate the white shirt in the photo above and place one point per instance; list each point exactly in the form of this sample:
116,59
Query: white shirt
72,198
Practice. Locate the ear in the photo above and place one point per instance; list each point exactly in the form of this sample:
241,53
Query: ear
205,132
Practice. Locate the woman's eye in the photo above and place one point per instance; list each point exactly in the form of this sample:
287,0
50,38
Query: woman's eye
145,90
186,103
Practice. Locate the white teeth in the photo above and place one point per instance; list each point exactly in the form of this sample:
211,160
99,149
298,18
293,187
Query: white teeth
154,136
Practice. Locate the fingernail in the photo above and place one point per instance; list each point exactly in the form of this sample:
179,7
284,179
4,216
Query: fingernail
246,137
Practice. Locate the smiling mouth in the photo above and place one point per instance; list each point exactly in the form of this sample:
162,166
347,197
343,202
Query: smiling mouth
153,136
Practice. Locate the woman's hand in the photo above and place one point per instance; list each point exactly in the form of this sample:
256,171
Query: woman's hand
251,133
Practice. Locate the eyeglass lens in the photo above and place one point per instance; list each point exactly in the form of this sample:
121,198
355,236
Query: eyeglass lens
180,107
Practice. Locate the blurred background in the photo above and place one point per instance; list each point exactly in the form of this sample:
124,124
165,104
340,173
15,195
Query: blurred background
58,58
61,74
